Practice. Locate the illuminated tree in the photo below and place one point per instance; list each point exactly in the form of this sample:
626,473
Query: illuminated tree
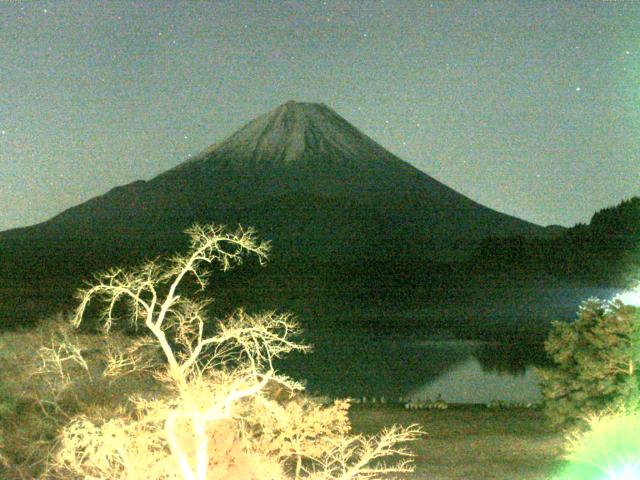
596,362
213,415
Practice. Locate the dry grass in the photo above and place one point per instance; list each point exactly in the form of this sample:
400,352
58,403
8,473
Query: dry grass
474,443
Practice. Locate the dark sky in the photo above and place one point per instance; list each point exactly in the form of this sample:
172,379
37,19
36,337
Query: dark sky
531,108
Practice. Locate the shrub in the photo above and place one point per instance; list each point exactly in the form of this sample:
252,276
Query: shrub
42,388
596,362
213,416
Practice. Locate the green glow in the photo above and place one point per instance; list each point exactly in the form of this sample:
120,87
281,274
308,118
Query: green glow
625,472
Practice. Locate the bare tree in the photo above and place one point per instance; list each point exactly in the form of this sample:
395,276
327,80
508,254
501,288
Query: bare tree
215,418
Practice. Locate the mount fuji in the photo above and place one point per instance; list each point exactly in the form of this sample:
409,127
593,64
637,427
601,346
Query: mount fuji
343,215
306,178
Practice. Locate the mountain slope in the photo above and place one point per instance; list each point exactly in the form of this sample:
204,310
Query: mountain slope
343,213
304,176
299,150
605,251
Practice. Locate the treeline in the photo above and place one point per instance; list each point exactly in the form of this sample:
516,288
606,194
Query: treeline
607,249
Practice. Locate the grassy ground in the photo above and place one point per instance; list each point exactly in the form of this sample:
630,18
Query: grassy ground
473,442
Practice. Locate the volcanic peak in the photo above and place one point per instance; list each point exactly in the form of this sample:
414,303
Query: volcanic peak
304,174
290,133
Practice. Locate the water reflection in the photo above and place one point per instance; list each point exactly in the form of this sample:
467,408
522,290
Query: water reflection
357,365
470,383
459,370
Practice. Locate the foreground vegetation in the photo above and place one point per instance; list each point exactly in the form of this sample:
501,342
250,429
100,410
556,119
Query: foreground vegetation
462,442
214,408
596,362
594,386
151,389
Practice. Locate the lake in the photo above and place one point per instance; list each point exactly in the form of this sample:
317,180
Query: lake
458,371
351,363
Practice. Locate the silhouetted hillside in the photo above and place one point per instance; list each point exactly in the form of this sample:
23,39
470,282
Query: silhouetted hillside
605,250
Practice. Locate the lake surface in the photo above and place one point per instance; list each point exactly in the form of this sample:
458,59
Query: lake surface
460,371
355,364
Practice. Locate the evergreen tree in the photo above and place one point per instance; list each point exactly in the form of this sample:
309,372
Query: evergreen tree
596,361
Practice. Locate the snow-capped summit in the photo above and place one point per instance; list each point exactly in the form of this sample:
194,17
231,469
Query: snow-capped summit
293,130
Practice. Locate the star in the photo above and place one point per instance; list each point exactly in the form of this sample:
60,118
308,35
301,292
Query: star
578,89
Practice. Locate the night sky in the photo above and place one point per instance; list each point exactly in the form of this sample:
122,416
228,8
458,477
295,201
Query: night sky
531,108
